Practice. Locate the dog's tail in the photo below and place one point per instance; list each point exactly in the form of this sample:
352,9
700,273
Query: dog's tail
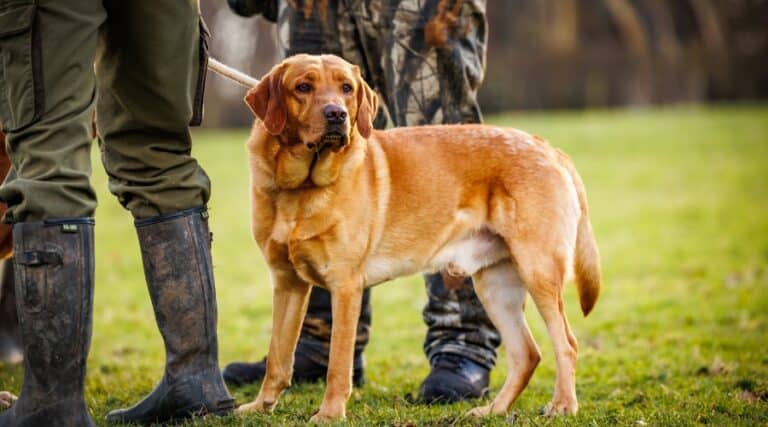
586,261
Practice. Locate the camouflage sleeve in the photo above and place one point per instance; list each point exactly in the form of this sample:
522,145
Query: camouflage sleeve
425,58
434,61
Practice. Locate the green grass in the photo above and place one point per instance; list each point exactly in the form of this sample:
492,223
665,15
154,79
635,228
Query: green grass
679,202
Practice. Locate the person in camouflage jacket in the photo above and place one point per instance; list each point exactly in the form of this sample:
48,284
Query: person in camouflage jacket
425,59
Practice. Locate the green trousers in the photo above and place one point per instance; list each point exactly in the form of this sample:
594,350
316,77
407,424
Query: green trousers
135,67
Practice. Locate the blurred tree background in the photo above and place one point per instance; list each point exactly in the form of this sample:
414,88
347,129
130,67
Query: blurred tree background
556,54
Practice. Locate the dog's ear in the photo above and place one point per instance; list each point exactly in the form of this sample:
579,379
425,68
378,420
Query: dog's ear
367,106
267,102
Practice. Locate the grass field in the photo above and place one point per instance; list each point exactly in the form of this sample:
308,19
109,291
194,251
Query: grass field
679,202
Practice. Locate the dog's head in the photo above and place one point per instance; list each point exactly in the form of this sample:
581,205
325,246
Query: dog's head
320,101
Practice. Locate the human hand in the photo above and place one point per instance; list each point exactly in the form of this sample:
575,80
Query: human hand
6,399
248,8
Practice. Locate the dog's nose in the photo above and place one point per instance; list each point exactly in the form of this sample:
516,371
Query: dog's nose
334,114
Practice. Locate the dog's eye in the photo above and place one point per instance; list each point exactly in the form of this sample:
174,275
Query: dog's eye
347,88
304,88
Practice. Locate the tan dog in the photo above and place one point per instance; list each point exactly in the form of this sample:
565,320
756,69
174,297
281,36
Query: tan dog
339,205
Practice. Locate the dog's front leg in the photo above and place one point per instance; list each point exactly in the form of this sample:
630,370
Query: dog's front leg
290,299
345,305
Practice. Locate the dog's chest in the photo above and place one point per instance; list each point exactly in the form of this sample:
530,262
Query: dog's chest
281,229
298,217
312,240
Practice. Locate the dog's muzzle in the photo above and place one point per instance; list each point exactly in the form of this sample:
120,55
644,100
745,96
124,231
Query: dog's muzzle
335,139
335,135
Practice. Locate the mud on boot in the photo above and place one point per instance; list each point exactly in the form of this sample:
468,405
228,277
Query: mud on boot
178,399
175,249
54,289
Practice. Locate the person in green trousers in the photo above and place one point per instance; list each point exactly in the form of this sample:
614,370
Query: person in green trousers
139,67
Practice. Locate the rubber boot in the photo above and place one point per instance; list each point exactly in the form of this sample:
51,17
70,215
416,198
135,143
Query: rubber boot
11,352
176,250
53,262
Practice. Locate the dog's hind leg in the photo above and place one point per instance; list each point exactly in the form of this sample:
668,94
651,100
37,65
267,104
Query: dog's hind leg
289,305
543,275
503,296
346,301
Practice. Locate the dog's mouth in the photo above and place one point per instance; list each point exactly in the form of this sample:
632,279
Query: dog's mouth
334,139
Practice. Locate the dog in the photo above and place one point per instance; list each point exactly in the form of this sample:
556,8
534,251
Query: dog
340,205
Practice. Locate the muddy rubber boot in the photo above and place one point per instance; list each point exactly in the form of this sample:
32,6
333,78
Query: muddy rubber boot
53,262
11,352
176,250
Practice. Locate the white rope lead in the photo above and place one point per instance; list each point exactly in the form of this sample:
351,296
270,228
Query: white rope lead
231,73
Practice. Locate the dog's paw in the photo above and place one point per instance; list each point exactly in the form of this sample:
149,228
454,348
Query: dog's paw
321,418
480,411
560,407
327,415
259,406
492,408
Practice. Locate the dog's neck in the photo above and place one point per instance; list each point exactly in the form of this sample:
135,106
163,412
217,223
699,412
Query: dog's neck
284,166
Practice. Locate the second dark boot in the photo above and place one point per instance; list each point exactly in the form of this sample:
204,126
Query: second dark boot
176,250
454,378
54,291
461,342
305,370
